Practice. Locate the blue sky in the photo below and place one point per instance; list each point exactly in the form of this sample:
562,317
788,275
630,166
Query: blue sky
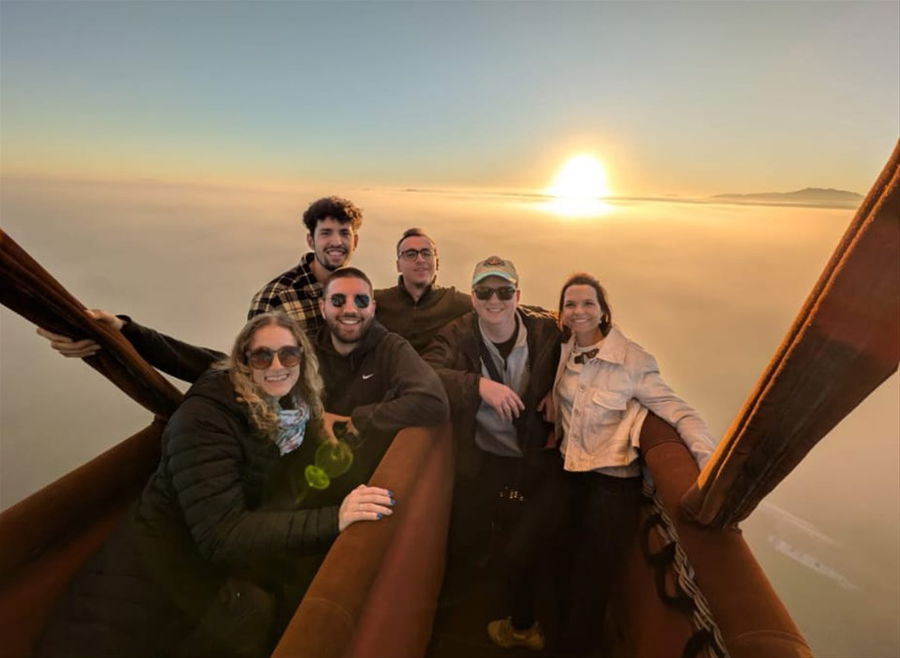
675,98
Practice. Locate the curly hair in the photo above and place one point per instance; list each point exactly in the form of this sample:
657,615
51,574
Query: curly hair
260,407
341,210
585,279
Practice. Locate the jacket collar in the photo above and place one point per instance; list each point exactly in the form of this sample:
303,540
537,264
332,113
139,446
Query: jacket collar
612,349
429,290
521,334
216,385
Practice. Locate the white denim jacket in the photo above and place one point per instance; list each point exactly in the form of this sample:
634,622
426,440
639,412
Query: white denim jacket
615,389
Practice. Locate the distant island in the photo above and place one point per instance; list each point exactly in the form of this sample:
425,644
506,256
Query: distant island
810,196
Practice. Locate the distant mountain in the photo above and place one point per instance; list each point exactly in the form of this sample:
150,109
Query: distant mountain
810,196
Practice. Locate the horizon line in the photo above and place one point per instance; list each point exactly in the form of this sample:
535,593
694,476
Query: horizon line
729,198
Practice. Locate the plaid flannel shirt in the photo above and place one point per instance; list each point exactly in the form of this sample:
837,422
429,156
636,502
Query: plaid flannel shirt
296,293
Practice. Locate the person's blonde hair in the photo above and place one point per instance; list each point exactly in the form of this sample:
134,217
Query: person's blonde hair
260,406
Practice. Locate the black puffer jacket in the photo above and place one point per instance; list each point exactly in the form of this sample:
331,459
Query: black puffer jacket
223,503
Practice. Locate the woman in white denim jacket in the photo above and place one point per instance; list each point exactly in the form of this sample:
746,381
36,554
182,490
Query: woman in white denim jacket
605,383
604,386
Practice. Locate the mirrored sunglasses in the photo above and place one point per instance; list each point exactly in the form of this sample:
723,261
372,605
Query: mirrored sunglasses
412,254
504,294
262,357
338,300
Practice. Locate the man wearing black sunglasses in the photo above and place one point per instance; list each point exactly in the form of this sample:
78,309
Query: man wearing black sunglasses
374,379
497,365
417,308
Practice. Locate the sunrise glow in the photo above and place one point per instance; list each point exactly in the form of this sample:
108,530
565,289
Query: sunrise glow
579,188
581,177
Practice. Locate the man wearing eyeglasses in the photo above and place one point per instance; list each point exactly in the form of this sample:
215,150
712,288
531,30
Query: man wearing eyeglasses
497,365
417,308
332,224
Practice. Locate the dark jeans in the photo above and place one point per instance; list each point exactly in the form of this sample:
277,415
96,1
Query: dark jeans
533,543
480,519
475,503
604,518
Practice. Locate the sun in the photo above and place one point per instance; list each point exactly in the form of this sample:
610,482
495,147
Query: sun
579,188
582,177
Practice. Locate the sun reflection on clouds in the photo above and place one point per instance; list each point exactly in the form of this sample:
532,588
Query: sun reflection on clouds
576,208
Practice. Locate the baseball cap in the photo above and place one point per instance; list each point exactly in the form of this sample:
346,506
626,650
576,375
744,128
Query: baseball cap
495,266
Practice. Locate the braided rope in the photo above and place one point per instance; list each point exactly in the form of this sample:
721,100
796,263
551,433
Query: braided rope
707,640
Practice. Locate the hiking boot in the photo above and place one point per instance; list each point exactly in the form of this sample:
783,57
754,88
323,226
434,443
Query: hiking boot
507,636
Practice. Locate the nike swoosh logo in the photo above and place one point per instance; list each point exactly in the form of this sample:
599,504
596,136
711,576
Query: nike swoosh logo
371,374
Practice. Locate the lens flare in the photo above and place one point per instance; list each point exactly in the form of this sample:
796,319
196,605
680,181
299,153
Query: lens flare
334,458
316,477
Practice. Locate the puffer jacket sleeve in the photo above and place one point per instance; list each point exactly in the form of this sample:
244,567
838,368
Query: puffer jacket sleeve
174,357
207,463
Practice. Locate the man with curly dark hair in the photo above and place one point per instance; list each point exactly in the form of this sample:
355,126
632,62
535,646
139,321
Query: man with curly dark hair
332,225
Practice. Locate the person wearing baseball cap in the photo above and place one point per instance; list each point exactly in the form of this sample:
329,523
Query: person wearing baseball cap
497,364
495,266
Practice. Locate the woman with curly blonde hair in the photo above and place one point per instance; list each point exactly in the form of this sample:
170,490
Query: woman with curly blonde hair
217,552
306,392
